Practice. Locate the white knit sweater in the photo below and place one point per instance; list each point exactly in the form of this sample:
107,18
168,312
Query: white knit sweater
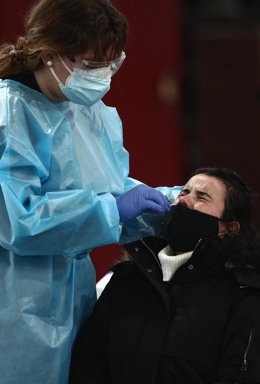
170,262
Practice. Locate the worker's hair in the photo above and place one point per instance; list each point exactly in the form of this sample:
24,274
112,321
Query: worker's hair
65,27
239,250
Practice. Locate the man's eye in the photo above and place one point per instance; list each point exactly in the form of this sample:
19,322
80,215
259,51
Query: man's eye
184,192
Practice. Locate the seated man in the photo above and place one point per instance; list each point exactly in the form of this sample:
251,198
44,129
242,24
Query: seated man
185,310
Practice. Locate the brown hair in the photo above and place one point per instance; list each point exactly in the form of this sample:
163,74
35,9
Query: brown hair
242,249
65,27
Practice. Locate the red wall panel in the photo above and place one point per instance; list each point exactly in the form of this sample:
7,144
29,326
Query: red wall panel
12,19
152,126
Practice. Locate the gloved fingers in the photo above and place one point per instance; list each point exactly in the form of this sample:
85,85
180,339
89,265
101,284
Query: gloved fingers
141,199
159,198
152,206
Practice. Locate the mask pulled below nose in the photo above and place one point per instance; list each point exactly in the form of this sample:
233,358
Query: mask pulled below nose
184,227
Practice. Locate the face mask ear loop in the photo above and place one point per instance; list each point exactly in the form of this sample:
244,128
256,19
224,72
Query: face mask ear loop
55,76
64,64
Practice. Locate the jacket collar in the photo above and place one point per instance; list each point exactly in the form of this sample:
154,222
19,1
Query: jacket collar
145,254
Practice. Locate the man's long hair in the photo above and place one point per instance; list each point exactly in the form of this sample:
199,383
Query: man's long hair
240,250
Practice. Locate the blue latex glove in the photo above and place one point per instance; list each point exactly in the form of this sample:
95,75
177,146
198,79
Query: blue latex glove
139,200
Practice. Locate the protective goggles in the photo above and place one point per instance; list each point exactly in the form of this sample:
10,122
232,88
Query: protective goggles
112,65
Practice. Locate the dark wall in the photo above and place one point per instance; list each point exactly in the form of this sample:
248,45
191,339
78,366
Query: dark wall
222,87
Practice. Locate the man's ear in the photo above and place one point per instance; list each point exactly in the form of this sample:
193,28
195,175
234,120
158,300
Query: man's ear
230,228
233,227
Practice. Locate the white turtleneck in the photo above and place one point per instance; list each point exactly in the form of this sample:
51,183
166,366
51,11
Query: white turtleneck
170,262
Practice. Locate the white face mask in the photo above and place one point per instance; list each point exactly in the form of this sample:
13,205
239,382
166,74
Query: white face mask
85,87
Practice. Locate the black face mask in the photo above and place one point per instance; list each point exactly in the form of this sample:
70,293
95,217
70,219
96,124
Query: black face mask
184,227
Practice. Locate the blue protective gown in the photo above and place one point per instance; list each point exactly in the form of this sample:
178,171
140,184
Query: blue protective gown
61,166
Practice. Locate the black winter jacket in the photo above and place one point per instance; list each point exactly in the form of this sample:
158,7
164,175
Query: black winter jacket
202,327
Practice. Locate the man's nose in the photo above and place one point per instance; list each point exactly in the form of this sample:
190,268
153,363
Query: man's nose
187,201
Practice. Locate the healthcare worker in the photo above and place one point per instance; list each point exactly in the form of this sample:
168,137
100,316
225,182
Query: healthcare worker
64,186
